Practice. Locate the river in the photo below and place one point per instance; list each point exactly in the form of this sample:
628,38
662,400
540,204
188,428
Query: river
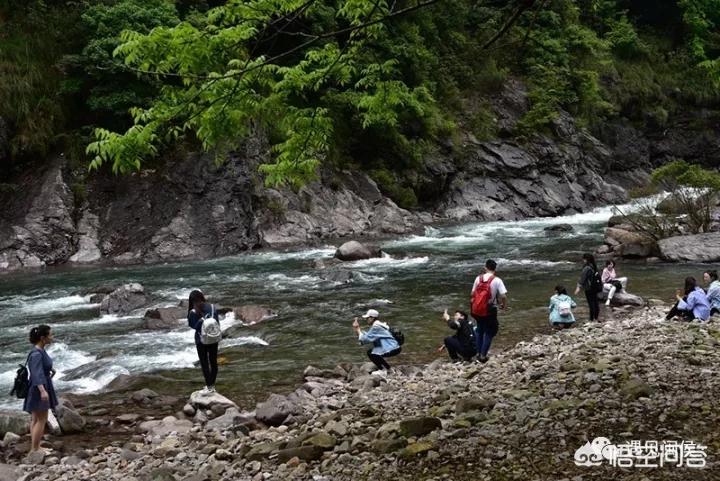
423,275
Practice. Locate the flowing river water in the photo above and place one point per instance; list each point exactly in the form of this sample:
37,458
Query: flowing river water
424,275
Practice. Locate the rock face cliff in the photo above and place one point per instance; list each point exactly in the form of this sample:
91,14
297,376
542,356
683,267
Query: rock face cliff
189,207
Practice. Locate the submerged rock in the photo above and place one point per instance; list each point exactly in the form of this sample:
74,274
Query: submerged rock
559,228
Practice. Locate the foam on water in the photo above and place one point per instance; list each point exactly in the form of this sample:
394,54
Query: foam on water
388,262
45,305
244,341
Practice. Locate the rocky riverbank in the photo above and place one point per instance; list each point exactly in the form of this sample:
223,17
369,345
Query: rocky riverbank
520,416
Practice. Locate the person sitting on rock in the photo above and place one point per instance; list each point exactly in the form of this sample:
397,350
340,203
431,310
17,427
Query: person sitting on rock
379,335
611,282
561,306
198,309
694,305
462,343
713,291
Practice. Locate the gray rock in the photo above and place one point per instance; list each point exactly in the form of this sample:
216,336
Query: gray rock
469,404
69,419
144,395
559,228
230,419
11,421
164,318
210,400
9,472
124,300
88,248
420,426
161,428
691,248
10,438
355,251
253,314
275,410
623,298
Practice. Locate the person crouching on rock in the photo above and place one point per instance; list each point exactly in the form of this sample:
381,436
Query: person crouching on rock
41,396
694,304
561,306
379,335
462,344
203,318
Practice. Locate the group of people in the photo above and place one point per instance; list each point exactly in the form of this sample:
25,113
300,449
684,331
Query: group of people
473,333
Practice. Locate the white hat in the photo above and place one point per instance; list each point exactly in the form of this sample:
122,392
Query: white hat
372,313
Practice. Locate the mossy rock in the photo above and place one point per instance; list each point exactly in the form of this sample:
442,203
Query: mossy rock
416,449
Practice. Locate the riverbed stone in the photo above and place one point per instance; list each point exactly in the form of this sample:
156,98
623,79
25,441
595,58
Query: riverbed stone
124,299
13,421
355,251
419,426
164,318
691,248
275,410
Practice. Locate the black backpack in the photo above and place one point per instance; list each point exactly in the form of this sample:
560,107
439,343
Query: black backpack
596,284
21,386
398,335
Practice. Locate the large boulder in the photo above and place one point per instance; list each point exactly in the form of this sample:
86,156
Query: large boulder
629,243
164,317
275,410
355,251
124,300
12,421
623,298
691,248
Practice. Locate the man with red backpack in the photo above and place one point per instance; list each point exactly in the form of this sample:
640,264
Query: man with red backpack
487,290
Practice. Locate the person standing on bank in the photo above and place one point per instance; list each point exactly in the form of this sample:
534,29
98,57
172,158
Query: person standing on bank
379,335
41,396
487,290
203,318
591,283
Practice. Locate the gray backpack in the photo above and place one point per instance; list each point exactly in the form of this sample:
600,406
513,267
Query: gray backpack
210,332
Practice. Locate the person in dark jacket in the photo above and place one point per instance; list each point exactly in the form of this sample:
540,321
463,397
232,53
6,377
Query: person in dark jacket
587,284
41,397
462,343
198,308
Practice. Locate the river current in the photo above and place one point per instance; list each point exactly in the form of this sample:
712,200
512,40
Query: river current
421,276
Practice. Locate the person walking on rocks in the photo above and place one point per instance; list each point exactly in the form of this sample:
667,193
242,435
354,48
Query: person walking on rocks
591,283
460,346
488,289
203,318
41,396
379,335
713,291
561,306
611,282
693,305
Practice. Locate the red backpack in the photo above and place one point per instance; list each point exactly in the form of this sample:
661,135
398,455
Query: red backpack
481,298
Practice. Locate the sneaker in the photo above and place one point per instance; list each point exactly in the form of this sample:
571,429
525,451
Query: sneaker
205,390
379,372
211,389
483,359
607,303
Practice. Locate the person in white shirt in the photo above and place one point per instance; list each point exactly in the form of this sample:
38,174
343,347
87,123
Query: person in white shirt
488,290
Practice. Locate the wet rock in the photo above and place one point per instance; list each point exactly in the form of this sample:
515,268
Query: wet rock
124,300
339,276
253,314
164,318
355,251
419,426
691,248
144,395
559,228
88,244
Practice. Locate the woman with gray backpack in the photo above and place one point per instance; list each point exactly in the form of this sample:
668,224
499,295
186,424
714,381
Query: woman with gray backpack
203,318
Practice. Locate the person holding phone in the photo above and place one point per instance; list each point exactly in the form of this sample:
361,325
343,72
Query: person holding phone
41,396
379,335
461,345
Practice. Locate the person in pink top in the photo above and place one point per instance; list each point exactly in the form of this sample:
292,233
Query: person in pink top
611,282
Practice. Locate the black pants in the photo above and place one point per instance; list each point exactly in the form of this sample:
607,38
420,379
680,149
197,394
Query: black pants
593,304
379,360
686,315
208,362
714,311
457,349
487,329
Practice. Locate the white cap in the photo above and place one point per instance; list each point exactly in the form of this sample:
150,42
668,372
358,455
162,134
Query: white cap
372,313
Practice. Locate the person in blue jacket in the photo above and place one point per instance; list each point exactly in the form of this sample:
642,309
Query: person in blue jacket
693,305
561,306
41,397
713,291
198,308
379,335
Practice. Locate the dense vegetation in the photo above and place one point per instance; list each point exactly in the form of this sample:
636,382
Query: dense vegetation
350,82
